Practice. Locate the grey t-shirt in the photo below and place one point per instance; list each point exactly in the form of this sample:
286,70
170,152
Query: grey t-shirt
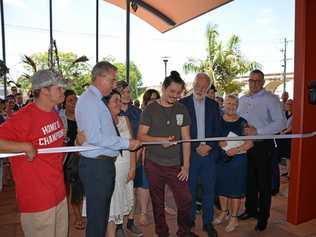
163,122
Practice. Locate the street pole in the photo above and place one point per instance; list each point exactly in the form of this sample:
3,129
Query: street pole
97,32
128,25
284,64
51,40
165,60
3,48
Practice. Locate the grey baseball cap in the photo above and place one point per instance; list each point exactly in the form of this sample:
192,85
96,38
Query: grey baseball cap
47,77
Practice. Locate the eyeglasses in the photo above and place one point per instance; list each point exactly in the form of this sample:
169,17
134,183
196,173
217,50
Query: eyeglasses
103,75
58,87
108,77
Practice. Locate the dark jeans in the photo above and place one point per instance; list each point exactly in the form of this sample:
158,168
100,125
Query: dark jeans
259,179
98,179
158,177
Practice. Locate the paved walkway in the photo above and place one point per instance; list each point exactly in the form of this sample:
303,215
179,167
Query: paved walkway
278,227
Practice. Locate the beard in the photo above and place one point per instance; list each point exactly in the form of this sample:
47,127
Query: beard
199,97
171,100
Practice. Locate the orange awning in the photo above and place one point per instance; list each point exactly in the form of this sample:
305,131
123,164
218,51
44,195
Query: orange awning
165,15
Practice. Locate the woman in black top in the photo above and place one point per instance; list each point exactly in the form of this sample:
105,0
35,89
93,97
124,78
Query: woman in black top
285,144
71,165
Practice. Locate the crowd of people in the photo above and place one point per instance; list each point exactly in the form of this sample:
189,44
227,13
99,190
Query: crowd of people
109,182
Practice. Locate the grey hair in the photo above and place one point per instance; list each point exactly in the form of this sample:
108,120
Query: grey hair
101,67
204,76
233,97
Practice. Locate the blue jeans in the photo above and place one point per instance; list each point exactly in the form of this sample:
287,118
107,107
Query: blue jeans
98,179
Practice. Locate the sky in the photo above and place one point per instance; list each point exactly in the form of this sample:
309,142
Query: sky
261,26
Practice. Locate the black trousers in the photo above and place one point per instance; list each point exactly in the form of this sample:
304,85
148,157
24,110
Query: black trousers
275,170
259,179
98,179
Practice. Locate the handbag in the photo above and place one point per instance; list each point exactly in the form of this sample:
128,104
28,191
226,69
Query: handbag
71,167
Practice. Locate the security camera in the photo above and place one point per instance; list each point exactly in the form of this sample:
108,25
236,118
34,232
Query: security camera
312,92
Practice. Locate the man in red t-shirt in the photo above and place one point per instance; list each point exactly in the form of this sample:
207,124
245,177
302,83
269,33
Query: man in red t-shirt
39,179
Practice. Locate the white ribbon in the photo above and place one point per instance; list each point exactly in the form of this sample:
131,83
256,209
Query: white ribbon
238,138
54,150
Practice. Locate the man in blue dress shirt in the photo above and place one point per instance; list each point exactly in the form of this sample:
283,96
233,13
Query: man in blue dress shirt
264,114
96,168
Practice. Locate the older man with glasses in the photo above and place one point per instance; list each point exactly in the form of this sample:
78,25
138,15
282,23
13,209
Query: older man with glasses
206,122
96,168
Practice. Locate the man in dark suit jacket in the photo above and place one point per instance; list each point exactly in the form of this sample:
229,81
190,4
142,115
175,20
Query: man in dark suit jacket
205,123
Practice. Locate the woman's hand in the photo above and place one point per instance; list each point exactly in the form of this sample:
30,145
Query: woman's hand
131,175
222,144
80,138
143,156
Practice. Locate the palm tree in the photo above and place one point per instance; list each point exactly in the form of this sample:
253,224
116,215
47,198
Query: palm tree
73,68
30,63
224,63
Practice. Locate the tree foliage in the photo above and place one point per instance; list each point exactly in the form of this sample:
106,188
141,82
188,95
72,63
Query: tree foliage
224,62
76,73
136,83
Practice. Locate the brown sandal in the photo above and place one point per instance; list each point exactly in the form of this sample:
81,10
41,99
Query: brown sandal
143,219
79,225
219,220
